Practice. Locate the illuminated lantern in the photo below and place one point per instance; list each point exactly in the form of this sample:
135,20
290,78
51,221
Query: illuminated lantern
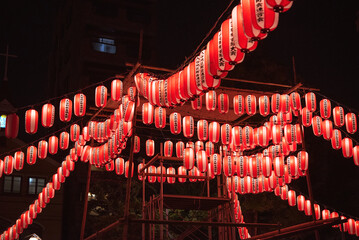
85,154
325,108
276,103
175,123
182,171
137,145
127,129
211,100
248,184
238,104
310,102
188,126
279,6
351,123
327,129
263,103
226,134
209,148
248,136
92,126
231,53
237,136
139,174
127,168
285,103
202,161
42,149
251,104
347,147
216,164
307,208
80,105
129,109
150,147
277,134
317,126
48,115
31,121
302,158
193,172
70,165
31,155
292,163
325,214
301,203
223,103
171,171
179,149
338,116
197,103
266,167
12,126
64,140
65,110
188,158
317,211
284,192
19,160
292,198
254,167
306,117
119,166
116,90
228,166
351,226
290,133
8,165
278,166
356,155
168,149
202,130
336,139
100,96
198,146
161,170
74,132
294,101
160,117
190,144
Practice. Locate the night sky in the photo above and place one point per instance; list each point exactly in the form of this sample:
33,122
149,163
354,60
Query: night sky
321,35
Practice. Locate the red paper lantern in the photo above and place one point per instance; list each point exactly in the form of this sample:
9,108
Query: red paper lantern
307,208
347,147
306,117
80,105
217,66
238,104
228,166
231,53
198,146
325,214
209,148
317,126
188,126
237,136
48,115
171,171
182,171
338,116
254,167
226,134
150,147
8,165
175,123
277,134
216,164
137,144
278,165
301,203
293,167
12,125
116,89
190,144
294,101
251,104
285,103
31,155
64,140
202,130
197,103
188,158
279,6
42,149
65,110
356,155
336,139
179,149
248,136
74,132
303,160
160,170
19,160
127,169
202,161
129,109
351,123
223,103
325,108
53,145
264,108
276,103
327,129
211,100
266,166
31,121
168,149
119,166
310,102
160,117
100,96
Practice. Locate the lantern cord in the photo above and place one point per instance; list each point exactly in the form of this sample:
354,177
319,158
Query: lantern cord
209,35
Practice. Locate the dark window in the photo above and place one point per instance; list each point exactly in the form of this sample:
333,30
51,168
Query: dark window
105,45
36,185
12,184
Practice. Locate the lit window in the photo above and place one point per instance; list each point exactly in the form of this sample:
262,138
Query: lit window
36,185
104,45
12,184
2,121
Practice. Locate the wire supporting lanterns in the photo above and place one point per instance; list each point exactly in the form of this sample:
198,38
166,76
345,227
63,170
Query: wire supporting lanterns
150,147
65,110
116,89
168,149
214,132
238,105
42,149
48,115
325,108
147,113
31,121
12,125
175,123
223,103
251,104
100,96
64,140
160,117
188,158
338,116
350,123
188,126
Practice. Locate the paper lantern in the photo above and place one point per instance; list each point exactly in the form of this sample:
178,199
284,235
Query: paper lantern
160,170
171,171
338,116
278,166
356,155
238,104
179,149
42,149
248,136
80,105
168,149
306,117
116,89
129,109
251,104
294,101
231,53
19,160
137,145
303,160
65,110
277,134
31,121
310,102
301,203
223,103
209,148
276,103
254,167
53,145
31,155
64,140
188,126
190,144
327,129
336,139
127,169
228,166
127,129
119,166
202,161
198,146
237,136
279,6
48,115
140,175
85,154
182,171
197,103
347,147
175,123
216,164
285,106
211,100
226,134
74,132
317,126
8,165
266,166
202,130
350,123
293,166
307,208
325,214
188,158
325,108
290,133
160,117
263,103
12,125
100,96
150,147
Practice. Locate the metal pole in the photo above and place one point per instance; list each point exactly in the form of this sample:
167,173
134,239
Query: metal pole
161,194
143,202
